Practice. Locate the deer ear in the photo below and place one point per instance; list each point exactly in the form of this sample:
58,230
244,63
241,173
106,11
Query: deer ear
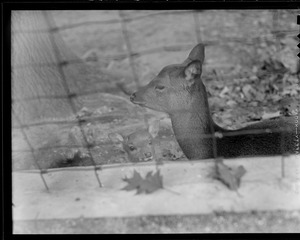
193,70
197,53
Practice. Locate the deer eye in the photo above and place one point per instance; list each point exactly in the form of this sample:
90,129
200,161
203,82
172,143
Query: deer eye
132,148
150,142
159,87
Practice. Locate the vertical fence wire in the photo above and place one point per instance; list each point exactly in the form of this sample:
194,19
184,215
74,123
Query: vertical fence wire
275,23
70,95
129,48
213,136
42,171
197,27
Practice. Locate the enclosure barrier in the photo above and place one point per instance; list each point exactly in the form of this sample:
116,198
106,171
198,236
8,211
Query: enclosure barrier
131,55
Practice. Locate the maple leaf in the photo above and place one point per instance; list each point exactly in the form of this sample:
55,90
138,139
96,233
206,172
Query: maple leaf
230,177
146,185
134,182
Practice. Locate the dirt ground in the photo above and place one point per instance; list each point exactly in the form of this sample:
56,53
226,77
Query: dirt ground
254,222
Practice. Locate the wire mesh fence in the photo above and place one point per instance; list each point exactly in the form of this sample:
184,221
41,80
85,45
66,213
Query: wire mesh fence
60,63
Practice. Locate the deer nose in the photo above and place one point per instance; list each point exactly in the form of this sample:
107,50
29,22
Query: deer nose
132,97
148,154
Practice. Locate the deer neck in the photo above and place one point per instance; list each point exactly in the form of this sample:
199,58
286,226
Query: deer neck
191,124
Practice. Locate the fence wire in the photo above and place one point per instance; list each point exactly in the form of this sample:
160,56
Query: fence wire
69,94
131,55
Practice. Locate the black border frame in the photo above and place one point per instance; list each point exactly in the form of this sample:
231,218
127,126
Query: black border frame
6,9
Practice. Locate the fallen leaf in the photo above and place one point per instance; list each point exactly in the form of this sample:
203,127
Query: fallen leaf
289,106
134,182
146,185
84,112
248,90
270,115
224,91
231,178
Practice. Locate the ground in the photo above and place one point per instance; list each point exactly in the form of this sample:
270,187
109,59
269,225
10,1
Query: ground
254,222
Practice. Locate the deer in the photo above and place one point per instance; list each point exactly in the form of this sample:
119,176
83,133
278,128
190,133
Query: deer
137,145
144,145
178,90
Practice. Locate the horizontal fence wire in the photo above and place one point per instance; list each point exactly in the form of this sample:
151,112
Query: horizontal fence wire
111,21
215,134
128,19
131,55
171,48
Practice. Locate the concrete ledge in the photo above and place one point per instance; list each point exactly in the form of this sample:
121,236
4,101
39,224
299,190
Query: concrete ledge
189,189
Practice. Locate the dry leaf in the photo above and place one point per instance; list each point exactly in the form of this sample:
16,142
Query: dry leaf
146,185
270,115
231,178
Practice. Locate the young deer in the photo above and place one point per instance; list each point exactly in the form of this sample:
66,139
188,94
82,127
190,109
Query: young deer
179,91
137,145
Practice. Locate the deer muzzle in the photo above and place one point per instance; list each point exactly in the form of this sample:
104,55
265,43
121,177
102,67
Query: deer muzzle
134,99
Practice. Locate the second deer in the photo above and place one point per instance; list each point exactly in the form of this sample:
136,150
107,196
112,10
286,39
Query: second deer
144,145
